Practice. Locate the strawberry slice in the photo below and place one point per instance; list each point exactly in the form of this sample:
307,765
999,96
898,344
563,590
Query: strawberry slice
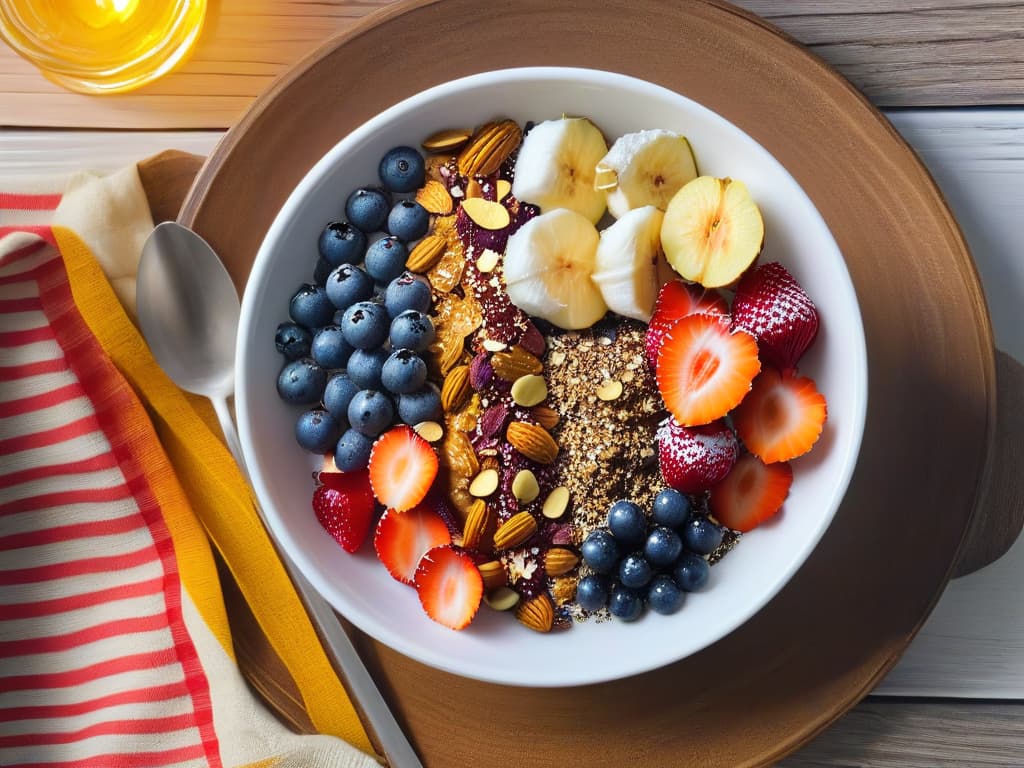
402,538
782,417
771,306
704,369
676,300
345,508
692,459
751,493
449,586
402,467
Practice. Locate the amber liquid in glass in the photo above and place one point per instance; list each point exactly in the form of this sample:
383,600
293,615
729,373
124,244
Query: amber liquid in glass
102,46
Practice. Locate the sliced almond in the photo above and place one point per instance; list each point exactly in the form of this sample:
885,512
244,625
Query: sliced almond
529,390
430,431
609,389
504,188
447,140
488,260
556,502
493,345
484,484
525,486
473,189
502,599
486,214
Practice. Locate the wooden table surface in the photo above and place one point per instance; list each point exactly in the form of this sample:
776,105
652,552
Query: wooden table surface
931,55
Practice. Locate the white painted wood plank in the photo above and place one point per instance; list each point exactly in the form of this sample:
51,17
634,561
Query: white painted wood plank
973,644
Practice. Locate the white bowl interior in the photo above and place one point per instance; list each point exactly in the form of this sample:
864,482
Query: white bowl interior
495,647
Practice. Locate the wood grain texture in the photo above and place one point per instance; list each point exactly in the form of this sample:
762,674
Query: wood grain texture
830,635
924,52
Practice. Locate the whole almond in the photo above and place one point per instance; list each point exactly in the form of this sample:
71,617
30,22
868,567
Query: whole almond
547,417
455,388
493,573
558,561
486,213
489,147
427,253
533,441
434,197
537,613
515,531
478,520
514,363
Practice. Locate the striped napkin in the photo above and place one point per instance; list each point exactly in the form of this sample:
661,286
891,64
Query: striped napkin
116,490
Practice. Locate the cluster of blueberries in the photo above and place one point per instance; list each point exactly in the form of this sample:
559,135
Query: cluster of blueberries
636,562
353,347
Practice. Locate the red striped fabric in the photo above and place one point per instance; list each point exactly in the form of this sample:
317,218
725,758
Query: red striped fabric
90,598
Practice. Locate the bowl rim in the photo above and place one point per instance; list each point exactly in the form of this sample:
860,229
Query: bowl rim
398,641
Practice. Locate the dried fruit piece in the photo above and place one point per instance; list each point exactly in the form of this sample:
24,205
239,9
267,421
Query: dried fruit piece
402,538
533,441
485,483
537,613
751,493
530,390
455,389
525,486
435,198
486,213
447,140
559,561
515,531
489,147
449,586
515,362
782,417
556,503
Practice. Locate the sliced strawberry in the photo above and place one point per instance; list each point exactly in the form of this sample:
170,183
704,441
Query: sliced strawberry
771,306
402,538
751,493
692,459
676,300
402,467
449,586
345,508
704,370
782,417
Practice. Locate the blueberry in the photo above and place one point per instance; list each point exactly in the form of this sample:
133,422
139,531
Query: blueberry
293,340
385,259
635,571
412,330
627,522
408,221
662,547
370,412
404,372
402,170
367,209
421,405
600,551
330,349
341,243
364,367
592,592
671,508
407,291
317,431
625,603
691,572
348,285
301,381
702,536
338,394
365,325
321,271
310,306
352,451
664,596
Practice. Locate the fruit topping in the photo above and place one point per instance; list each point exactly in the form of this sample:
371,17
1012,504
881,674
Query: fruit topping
751,493
367,209
402,467
692,459
548,266
712,231
402,538
676,300
449,586
772,307
341,243
645,168
402,170
556,166
704,370
782,417
345,508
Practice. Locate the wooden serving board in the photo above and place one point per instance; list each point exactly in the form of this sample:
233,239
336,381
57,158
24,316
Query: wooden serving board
846,616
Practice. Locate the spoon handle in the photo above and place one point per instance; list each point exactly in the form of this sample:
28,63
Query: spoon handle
356,676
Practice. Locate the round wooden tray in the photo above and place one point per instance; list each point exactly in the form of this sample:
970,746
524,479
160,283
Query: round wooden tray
846,616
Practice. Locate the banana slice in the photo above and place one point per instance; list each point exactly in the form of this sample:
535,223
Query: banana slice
645,168
630,266
548,267
555,167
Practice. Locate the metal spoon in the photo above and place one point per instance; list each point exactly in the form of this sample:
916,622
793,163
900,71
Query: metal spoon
188,311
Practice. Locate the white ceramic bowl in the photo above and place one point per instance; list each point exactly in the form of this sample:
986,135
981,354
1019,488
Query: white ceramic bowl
495,647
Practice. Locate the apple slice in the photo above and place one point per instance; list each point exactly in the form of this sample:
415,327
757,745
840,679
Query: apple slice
712,231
